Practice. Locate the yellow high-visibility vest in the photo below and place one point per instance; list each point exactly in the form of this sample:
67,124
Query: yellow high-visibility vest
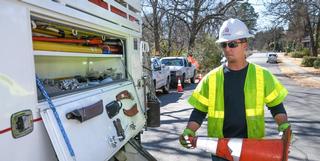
260,88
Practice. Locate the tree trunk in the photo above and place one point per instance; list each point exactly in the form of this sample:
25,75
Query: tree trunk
171,23
194,25
310,29
156,27
312,43
169,44
317,35
192,40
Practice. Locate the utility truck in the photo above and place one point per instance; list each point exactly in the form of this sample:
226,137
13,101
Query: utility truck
180,68
71,82
160,75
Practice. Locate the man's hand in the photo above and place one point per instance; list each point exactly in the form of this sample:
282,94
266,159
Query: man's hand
187,138
283,126
282,129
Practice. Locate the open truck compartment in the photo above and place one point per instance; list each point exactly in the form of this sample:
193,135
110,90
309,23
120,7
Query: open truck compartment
70,59
88,101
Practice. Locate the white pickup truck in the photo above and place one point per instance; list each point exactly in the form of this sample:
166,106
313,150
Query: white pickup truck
160,75
179,68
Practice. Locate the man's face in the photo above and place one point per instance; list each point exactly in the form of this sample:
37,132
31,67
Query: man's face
234,50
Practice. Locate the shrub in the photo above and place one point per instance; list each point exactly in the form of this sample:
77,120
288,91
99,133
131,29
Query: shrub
288,49
307,61
305,52
296,54
316,63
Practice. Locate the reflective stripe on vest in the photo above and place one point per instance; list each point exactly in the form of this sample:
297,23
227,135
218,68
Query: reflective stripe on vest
212,94
258,110
216,104
200,98
273,94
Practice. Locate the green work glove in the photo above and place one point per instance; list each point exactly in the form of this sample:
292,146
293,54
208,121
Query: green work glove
184,141
283,127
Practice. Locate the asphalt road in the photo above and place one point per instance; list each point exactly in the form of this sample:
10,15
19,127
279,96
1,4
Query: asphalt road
301,104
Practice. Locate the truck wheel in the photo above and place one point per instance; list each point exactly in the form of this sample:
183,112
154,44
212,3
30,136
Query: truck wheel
192,79
154,86
166,88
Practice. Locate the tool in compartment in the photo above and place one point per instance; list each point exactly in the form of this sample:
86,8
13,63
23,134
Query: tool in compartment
92,41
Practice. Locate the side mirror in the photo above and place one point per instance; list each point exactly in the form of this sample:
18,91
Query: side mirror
189,64
162,66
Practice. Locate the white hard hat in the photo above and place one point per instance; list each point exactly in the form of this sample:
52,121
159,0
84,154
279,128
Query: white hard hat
233,29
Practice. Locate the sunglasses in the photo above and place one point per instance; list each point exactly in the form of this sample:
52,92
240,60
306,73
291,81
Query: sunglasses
232,44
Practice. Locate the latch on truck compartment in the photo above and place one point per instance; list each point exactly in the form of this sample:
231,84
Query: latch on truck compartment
21,123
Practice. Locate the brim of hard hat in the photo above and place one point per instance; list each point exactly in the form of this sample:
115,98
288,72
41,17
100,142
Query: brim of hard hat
234,38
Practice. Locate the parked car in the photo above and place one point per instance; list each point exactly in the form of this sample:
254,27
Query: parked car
160,75
179,68
272,58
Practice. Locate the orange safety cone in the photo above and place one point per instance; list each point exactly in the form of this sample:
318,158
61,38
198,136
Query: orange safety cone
179,86
245,149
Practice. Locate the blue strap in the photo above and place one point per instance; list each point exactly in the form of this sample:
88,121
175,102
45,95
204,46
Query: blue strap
53,108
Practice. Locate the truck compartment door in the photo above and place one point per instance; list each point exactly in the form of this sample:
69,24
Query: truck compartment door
92,133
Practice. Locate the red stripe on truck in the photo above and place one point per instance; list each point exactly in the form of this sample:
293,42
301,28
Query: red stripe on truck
5,130
38,119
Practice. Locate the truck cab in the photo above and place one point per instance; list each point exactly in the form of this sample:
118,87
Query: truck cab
180,68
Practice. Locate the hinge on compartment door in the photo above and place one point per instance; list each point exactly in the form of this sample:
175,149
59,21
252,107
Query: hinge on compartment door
119,129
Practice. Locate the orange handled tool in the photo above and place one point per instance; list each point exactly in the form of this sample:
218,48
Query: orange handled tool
94,41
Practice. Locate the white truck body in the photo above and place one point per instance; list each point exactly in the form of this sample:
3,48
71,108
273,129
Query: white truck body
160,75
29,126
180,68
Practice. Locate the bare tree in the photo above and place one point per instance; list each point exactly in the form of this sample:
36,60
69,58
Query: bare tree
152,21
174,25
304,12
169,27
246,13
197,13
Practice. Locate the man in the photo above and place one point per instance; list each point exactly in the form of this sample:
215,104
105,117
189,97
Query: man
234,94
193,61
